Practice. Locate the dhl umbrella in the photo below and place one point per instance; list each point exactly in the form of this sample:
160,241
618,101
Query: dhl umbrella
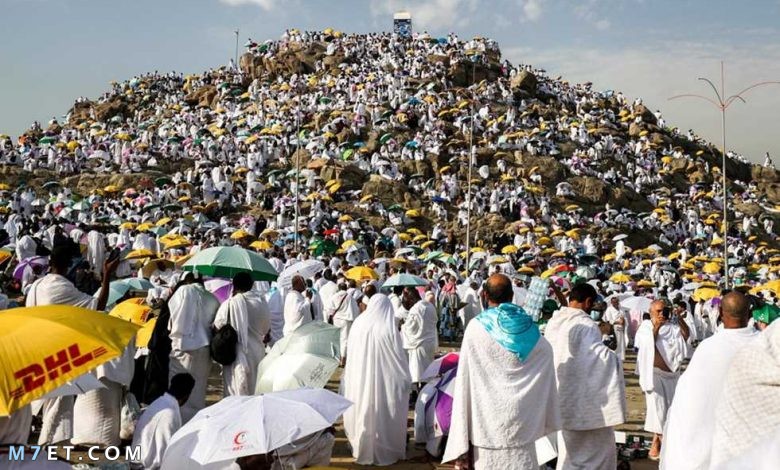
77,340
145,334
132,310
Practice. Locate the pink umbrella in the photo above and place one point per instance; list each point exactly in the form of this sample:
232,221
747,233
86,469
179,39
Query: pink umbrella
562,283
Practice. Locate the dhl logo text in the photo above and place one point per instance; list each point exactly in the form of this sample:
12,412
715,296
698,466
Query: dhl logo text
35,375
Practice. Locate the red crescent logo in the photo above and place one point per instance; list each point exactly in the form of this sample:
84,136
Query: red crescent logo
239,438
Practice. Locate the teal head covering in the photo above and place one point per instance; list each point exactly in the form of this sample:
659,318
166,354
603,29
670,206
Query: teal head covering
511,327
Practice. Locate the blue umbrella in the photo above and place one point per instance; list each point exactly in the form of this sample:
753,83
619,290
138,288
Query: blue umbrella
117,289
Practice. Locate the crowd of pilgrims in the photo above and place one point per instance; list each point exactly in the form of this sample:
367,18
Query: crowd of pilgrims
519,378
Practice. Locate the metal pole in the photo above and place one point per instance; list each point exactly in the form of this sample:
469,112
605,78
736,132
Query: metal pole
722,104
236,62
725,193
297,173
468,183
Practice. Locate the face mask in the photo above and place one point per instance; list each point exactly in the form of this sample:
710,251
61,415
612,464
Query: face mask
595,315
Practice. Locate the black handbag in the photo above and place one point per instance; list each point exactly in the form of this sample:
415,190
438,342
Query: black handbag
223,344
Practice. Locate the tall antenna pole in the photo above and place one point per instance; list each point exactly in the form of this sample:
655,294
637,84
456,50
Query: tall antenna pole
723,104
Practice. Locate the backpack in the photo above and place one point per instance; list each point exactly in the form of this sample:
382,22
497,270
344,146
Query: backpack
223,344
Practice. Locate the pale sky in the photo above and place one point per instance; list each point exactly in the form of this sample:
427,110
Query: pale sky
53,51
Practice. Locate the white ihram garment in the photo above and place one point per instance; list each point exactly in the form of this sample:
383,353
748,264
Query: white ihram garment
420,338
376,379
748,412
659,385
154,429
192,313
344,310
591,390
297,312
250,318
501,405
690,421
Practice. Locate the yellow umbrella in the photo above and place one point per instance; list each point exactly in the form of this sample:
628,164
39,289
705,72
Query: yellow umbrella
76,341
414,231
163,221
544,241
345,218
144,227
132,310
111,189
413,213
557,233
145,334
705,293
477,249
419,238
270,233
334,188
711,268
184,199
499,260
620,278
138,254
405,237
572,208
445,169
4,187
261,245
347,244
128,225
239,234
509,249
645,283
427,244
526,270
361,273
366,198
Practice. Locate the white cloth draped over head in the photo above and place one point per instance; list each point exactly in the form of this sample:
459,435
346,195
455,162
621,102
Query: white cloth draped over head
749,409
250,317
591,389
501,402
376,379
690,422
420,338
297,311
154,429
192,313
670,344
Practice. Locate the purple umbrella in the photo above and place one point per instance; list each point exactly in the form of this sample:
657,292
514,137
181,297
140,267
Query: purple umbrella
32,262
441,402
221,288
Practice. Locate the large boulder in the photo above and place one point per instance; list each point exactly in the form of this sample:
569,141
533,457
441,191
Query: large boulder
552,170
466,73
625,197
203,97
116,107
388,191
524,81
762,174
647,115
772,191
591,190
351,176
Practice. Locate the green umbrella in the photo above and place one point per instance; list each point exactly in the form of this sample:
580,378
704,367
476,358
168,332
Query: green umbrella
404,280
347,153
386,137
433,255
227,261
323,246
396,207
162,181
117,289
172,207
47,140
766,313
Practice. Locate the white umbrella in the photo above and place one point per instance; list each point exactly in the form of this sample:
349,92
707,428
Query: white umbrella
641,304
617,238
306,358
307,268
239,426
